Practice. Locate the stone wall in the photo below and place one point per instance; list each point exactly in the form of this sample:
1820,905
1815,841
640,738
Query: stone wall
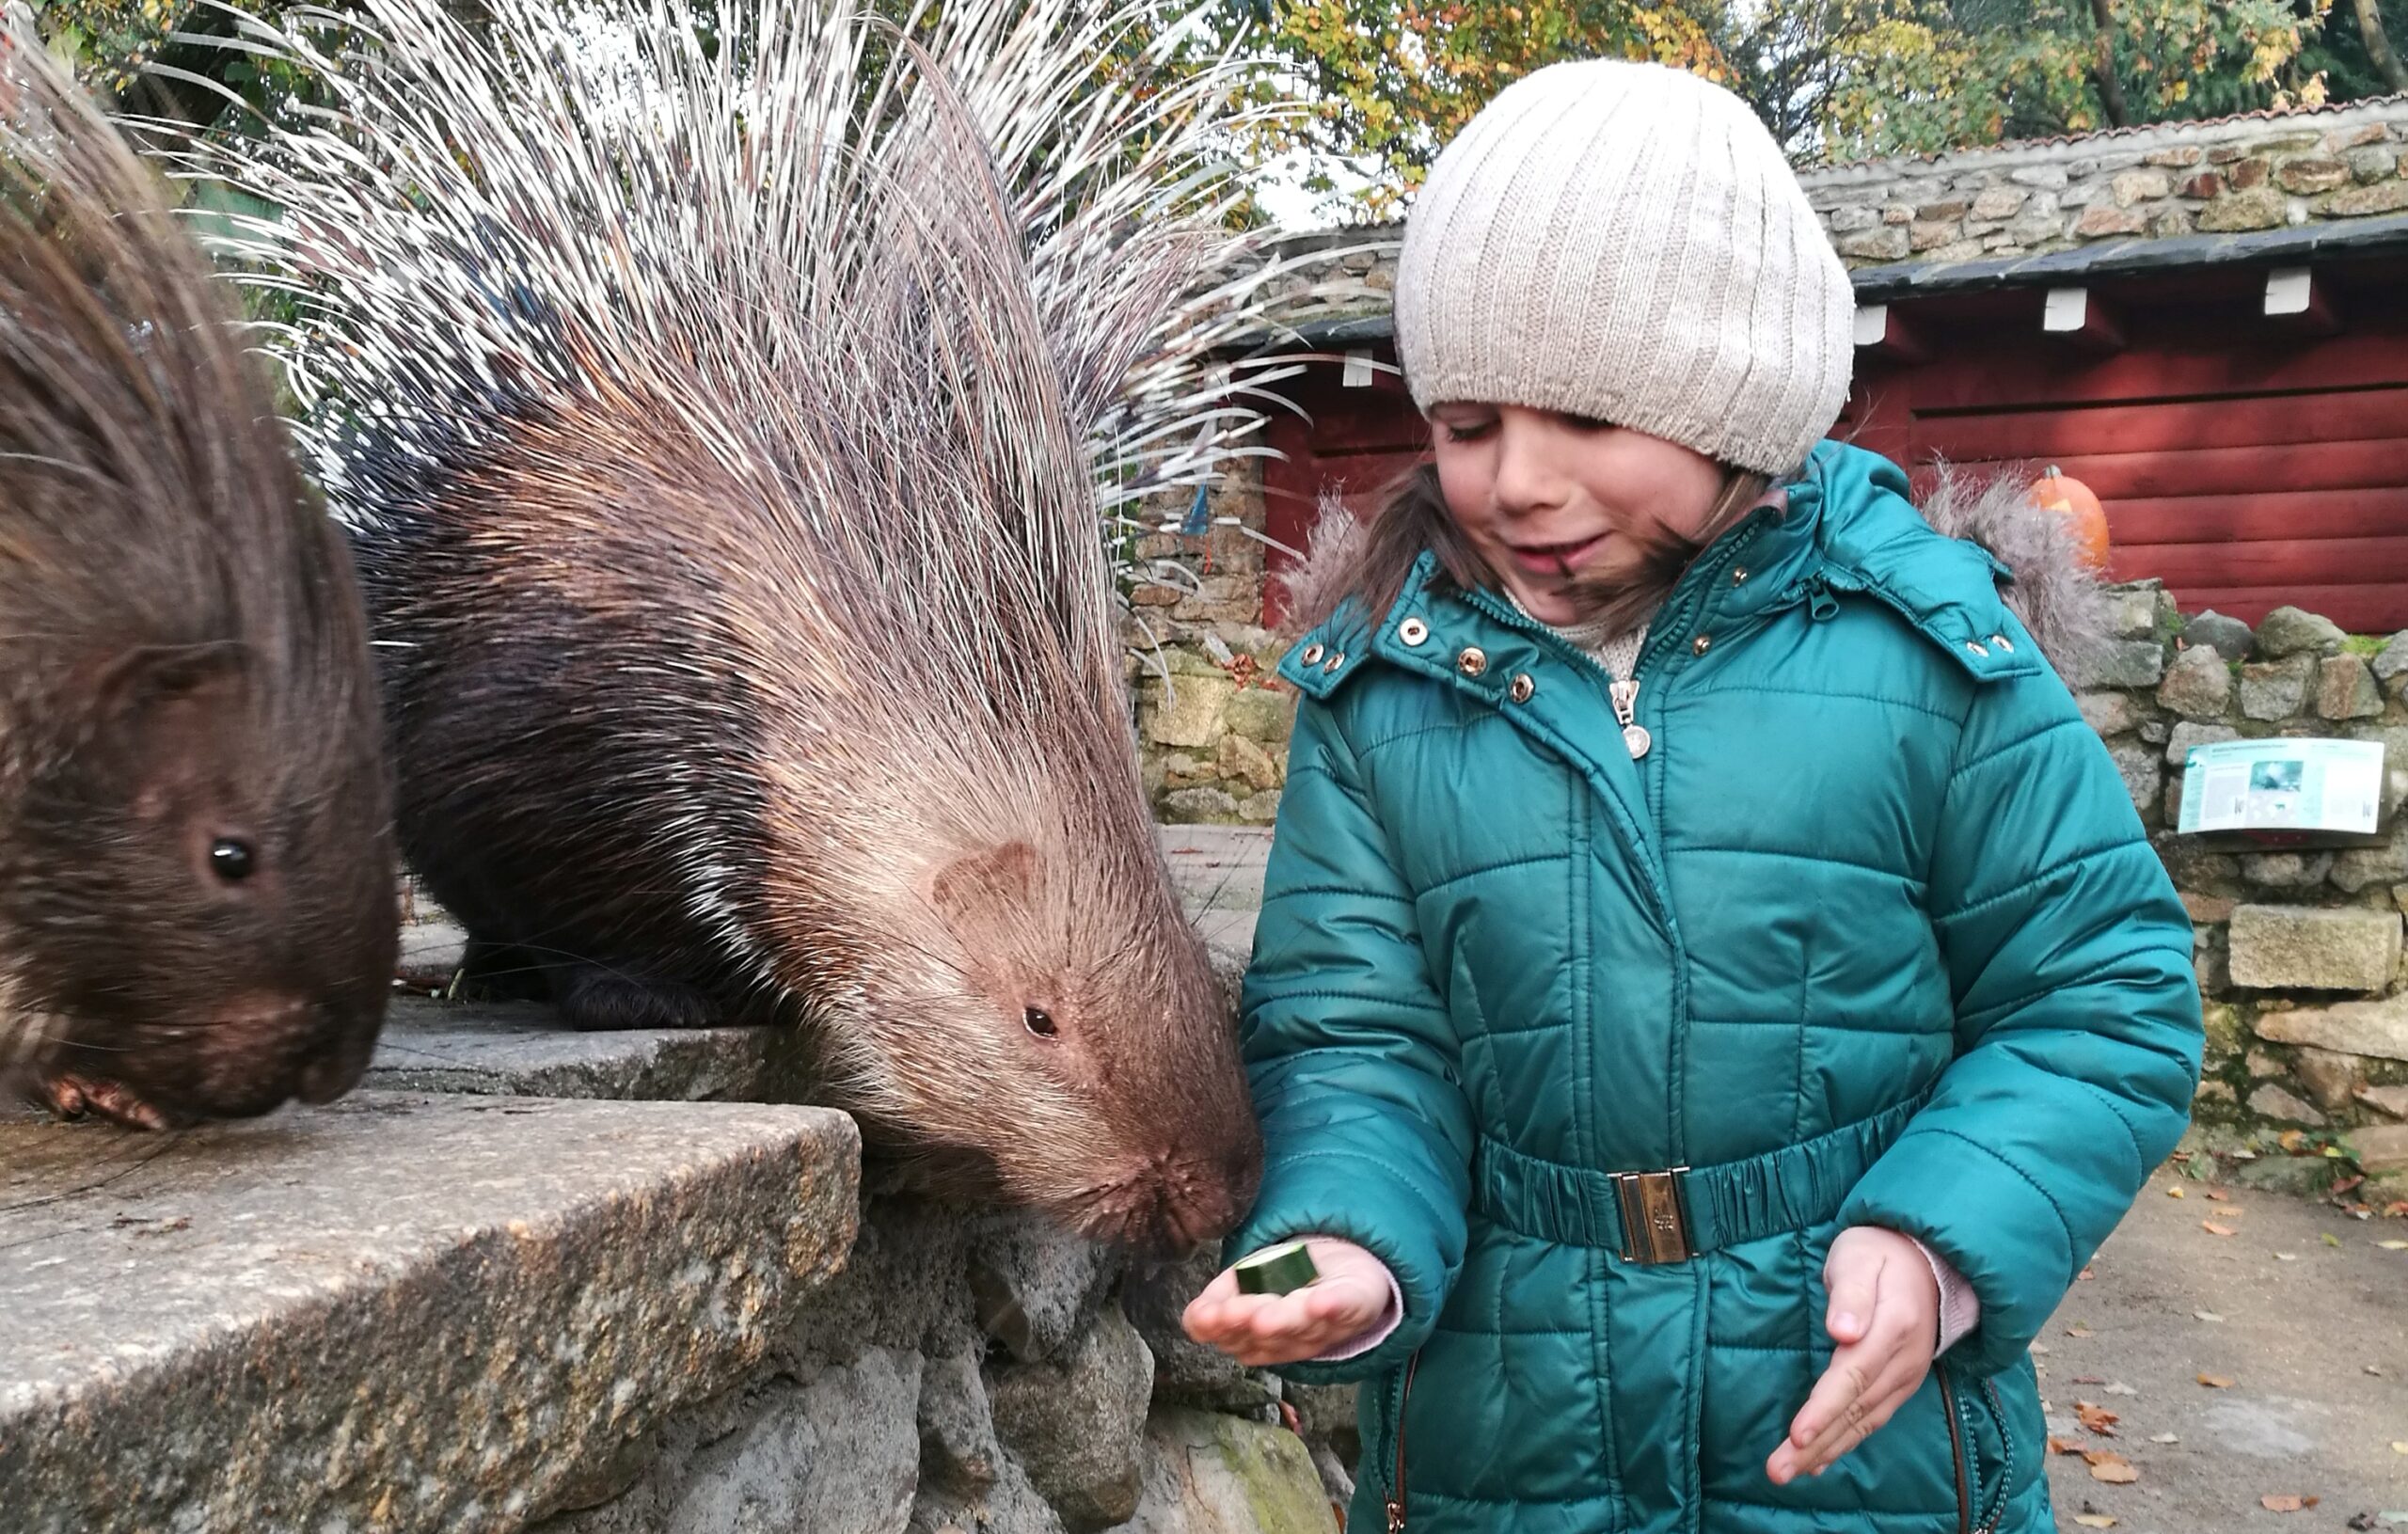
988,1374
2299,952
2258,173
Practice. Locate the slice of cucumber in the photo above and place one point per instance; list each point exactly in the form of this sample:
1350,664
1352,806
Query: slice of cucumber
1277,1270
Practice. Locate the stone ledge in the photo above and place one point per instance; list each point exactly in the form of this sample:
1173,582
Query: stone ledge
523,1050
398,1313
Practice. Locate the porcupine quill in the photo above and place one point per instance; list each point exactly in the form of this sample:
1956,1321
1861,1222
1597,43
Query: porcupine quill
720,417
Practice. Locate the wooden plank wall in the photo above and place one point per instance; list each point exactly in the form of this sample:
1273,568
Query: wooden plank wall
2248,467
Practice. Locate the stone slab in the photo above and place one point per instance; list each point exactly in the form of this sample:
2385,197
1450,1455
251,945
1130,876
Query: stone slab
522,1049
397,1313
1209,1474
2287,948
1216,868
2376,1028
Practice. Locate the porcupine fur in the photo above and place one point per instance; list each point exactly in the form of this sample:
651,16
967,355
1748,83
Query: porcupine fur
718,429
196,896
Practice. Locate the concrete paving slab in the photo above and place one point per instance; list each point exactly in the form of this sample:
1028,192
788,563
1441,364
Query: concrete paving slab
2312,1336
398,1313
522,1049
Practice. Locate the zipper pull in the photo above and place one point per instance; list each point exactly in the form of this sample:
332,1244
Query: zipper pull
1396,1516
1634,735
1821,605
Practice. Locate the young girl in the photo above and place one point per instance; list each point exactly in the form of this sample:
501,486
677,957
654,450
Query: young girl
1713,992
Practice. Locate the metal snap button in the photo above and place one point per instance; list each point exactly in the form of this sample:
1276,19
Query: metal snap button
2003,642
1977,647
1413,631
1702,643
1740,575
1522,689
1312,654
1472,660
1334,661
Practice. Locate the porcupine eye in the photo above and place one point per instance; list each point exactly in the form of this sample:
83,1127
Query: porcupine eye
1040,1021
230,860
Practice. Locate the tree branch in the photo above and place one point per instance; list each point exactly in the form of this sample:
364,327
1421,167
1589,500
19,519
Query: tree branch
2378,46
2111,89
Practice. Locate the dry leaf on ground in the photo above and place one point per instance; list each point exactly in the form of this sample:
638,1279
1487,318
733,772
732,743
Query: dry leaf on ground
2175,1191
2393,1246
2216,1382
2207,1315
2110,1466
2094,1520
2098,1418
2165,1438
2214,1229
2219,1196
2063,1445
2286,1503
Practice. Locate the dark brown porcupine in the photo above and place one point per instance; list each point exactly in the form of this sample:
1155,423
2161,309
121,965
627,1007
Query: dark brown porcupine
197,898
720,417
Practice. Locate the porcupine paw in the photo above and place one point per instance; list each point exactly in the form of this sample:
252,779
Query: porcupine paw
72,1096
596,997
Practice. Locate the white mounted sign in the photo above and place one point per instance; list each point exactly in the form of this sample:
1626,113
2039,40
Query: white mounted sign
2311,785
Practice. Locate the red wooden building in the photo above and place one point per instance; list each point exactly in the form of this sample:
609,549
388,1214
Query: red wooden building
2238,401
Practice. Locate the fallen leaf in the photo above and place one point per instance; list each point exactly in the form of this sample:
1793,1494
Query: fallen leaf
2038,1348
2174,1192
2286,1503
2331,1240
2110,1466
2293,1140
2078,1329
2400,1445
2393,1246
2165,1438
2374,1369
2089,1379
2063,1445
2214,1229
2095,1520
2291,1256
2120,1388
2220,1195
2207,1315
2216,1382
2098,1418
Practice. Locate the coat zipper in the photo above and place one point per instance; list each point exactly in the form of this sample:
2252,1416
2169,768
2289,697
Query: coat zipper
1957,1453
1396,1486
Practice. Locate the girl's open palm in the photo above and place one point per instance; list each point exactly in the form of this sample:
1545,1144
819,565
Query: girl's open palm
1885,1316
1257,1330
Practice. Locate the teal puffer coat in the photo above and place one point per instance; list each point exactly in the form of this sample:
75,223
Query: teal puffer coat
1871,935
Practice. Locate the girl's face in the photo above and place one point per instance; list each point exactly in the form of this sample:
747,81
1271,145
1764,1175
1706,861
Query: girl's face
1545,497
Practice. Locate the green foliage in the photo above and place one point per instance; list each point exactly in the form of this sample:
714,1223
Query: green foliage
1389,81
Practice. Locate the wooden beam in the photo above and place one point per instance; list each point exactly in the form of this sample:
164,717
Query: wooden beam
1882,330
2079,316
2297,301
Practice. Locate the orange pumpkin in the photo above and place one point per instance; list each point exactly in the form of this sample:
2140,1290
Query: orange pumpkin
2063,493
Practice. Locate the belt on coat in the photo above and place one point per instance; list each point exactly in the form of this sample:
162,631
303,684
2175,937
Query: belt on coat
1671,1215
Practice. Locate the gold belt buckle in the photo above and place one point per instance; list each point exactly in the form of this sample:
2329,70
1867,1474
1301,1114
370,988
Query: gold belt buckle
1654,1215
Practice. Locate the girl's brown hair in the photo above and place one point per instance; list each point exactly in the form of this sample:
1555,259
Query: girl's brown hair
1367,563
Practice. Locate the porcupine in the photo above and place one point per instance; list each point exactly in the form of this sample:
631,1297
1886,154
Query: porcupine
197,868
718,428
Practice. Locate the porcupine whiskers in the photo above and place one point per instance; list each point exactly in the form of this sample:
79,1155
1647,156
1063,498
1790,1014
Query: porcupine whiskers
723,431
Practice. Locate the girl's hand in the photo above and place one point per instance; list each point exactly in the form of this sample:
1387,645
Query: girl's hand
1351,1294
1885,1317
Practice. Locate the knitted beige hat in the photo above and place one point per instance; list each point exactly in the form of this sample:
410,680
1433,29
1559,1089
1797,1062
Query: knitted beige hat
1625,240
